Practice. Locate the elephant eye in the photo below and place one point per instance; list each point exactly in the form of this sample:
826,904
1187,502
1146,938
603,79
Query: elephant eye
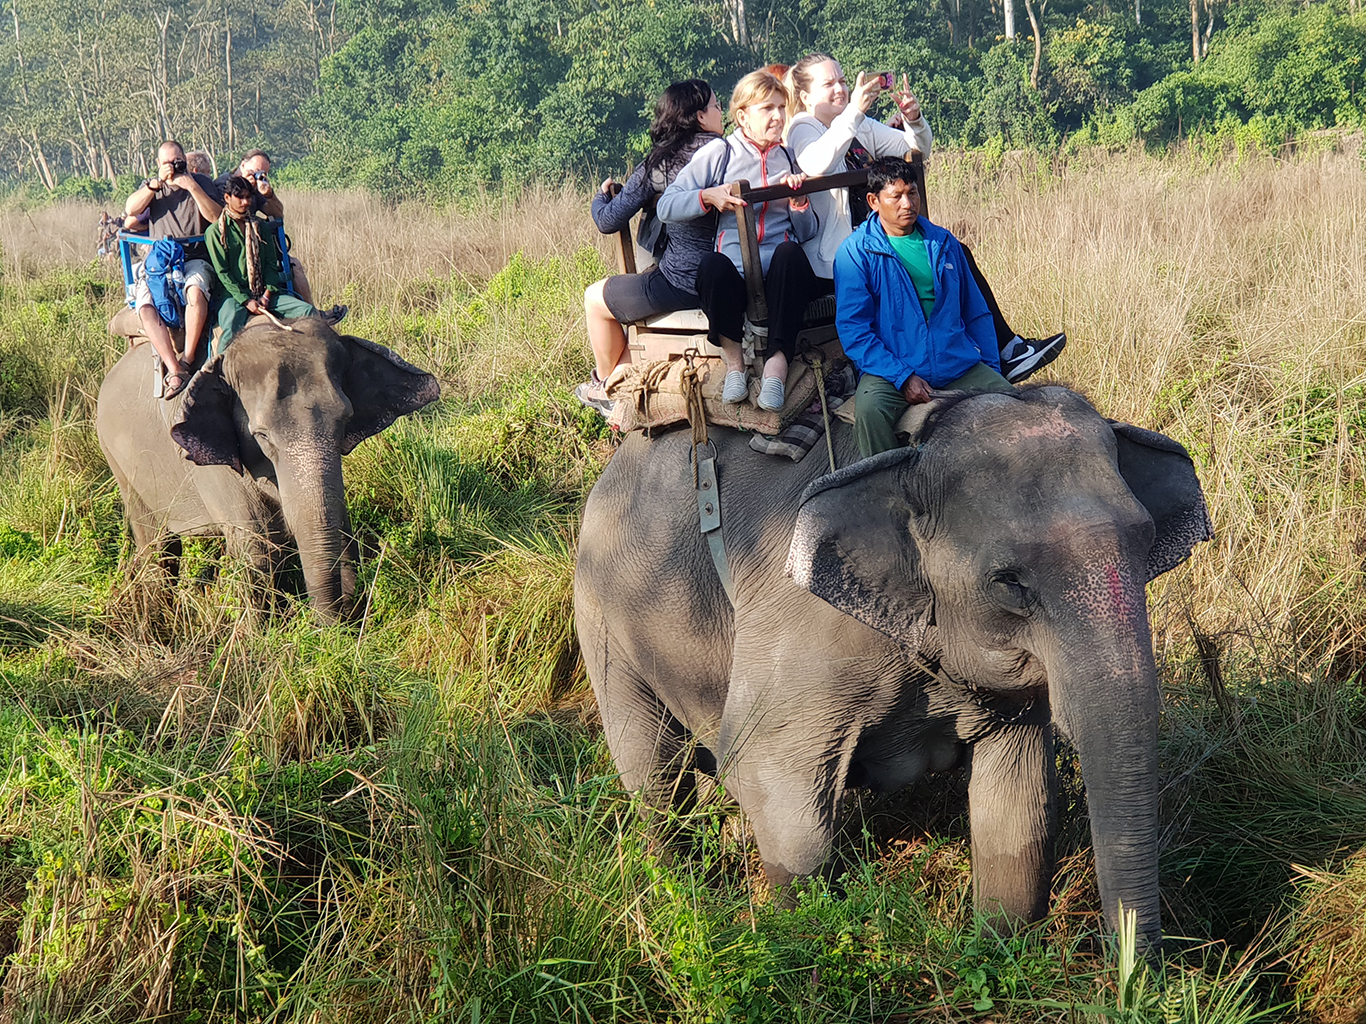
1009,592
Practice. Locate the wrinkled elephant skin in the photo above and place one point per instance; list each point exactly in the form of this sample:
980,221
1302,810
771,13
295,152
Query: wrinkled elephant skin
948,602
252,450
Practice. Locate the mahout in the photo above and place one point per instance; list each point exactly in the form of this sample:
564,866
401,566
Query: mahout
252,451
951,602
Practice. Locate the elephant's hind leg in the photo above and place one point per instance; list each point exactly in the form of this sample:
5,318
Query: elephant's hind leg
653,750
1011,797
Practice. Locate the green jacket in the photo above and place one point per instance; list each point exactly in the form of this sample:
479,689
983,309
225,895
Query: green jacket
228,254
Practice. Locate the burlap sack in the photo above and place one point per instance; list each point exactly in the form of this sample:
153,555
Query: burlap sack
650,395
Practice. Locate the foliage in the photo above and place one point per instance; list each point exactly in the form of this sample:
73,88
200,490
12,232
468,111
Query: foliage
442,99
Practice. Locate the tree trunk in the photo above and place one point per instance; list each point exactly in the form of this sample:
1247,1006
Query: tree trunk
1009,7
1195,31
1038,42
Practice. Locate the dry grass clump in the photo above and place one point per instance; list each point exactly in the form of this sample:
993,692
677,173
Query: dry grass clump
1328,939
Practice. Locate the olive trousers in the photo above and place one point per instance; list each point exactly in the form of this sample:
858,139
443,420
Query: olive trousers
878,404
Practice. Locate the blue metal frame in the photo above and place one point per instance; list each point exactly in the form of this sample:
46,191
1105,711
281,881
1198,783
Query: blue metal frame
128,239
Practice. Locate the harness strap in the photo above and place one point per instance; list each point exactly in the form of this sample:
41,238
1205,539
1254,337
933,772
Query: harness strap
709,514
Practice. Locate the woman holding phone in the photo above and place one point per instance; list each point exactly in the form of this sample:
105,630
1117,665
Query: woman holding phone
830,132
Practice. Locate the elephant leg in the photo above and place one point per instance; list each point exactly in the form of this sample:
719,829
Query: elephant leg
150,537
1012,796
652,749
793,809
257,555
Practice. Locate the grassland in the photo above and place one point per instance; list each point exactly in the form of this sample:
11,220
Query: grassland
210,817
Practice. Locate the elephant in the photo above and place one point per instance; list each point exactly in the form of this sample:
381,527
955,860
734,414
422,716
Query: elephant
252,450
936,605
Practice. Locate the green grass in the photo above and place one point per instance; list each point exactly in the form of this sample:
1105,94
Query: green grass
210,815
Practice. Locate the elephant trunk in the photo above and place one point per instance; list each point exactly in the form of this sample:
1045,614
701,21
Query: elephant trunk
314,502
1104,694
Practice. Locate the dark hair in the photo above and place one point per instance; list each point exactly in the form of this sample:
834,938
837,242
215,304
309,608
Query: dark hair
239,186
888,169
675,119
254,153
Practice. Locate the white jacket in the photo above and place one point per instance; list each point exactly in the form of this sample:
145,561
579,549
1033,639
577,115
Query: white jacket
820,150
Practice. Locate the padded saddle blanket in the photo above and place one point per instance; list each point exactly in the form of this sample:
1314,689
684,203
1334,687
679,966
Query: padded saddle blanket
650,395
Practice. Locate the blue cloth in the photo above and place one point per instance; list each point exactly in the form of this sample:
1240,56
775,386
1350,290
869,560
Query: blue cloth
881,324
165,270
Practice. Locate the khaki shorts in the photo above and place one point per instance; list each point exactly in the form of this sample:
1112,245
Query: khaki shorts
198,274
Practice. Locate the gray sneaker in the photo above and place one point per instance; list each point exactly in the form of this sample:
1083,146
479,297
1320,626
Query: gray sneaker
592,394
1025,356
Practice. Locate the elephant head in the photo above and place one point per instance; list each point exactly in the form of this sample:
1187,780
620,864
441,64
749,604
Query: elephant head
285,406
1022,530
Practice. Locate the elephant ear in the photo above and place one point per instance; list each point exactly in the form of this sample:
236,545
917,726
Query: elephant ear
382,387
853,547
1161,474
206,428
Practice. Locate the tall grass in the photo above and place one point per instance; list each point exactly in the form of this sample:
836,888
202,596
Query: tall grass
213,815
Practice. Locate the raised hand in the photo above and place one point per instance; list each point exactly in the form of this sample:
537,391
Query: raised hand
867,88
906,102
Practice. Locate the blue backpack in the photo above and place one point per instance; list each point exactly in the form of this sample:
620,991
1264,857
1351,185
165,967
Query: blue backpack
165,270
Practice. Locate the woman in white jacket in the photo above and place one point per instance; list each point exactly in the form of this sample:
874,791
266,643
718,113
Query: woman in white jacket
830,132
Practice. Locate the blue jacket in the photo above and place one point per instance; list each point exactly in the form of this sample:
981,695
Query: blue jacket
881,323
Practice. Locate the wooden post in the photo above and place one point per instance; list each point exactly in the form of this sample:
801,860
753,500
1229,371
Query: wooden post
757,310
626,245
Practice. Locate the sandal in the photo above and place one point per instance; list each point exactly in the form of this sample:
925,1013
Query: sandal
182,377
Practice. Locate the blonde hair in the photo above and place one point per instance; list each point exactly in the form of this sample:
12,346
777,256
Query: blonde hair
799,81
755,87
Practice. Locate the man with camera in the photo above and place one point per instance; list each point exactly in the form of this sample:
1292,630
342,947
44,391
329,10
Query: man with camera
177,204
255,167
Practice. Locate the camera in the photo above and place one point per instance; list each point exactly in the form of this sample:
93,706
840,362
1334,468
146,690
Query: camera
178,165
257,175
888,79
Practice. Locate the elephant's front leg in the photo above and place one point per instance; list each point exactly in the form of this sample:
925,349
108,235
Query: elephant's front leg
792,799
1011,793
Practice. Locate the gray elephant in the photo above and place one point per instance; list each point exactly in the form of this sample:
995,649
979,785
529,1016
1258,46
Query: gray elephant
933,605
252,450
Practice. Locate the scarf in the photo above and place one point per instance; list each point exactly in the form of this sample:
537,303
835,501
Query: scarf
251,238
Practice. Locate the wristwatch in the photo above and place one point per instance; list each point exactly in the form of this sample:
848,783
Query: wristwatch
153,183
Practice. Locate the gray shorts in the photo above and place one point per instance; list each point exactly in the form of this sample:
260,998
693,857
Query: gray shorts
198,274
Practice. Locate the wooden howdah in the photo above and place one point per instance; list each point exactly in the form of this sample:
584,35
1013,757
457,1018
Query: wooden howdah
669,335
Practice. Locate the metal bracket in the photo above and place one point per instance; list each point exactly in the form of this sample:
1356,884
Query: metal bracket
709,514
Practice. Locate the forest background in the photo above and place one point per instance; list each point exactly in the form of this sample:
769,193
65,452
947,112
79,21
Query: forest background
441,99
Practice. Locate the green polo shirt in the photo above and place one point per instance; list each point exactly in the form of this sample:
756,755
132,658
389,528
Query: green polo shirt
910,249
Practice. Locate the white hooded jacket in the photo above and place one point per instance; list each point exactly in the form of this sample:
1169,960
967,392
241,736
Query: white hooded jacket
821,150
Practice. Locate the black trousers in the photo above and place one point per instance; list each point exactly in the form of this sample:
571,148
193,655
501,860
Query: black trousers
1004,334
789,286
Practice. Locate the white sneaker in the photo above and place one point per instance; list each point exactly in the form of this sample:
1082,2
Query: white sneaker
592,394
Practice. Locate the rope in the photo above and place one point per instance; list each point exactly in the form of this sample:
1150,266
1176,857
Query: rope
691,386
818,365
647,384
